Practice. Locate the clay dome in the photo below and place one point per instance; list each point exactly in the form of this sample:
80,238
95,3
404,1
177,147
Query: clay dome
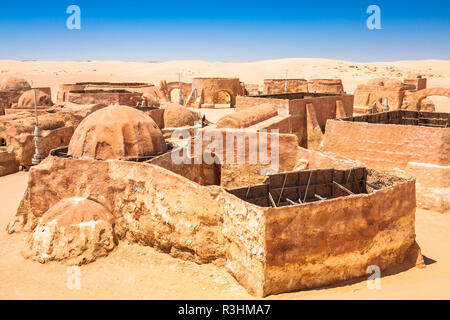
117,132
72,211
176,116
26,100
14,84
75,230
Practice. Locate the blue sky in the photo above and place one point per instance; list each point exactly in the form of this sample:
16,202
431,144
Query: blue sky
224,30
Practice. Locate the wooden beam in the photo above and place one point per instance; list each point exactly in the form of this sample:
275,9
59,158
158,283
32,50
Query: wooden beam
319,197
271,200
291,202
282,189
307,186
342,187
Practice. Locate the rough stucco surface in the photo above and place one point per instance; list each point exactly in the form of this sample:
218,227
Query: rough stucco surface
326,242
405,150
247,117
208,89
308,126
57,128
117,131
264,248
176,116
26,100
75,230
151,206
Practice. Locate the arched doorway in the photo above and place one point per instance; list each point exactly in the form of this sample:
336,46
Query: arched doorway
223,100
438,96
175,95
441,103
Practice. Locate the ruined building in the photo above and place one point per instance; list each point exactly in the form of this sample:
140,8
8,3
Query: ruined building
404,143
320,219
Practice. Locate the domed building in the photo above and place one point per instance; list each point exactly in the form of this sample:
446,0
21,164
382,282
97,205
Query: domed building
176,116
26,100
76,229
117,132
14,84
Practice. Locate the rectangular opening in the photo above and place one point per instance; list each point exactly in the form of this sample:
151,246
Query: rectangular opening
290,188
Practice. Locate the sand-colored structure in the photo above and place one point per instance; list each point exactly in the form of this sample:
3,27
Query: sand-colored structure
404,143
279,86
26,100
17,133
117,132
10,91
207,92
131,87
307,112
409,94
108,97
321,219
171,90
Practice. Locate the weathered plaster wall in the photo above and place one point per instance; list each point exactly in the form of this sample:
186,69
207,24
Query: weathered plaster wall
274,86
308,116
267,250
57,128
331,241
406,150
120,97
208,89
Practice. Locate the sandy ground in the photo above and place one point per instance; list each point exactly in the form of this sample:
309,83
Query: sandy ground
135,272
352,73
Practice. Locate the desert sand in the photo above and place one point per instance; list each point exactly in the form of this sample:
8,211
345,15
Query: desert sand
51,74
136,272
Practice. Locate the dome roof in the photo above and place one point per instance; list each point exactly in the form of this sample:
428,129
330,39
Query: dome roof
14,84
116,132
71,211
176,116
26,100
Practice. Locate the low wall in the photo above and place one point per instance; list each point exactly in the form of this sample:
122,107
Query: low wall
338,239
406,150
274,86
121,97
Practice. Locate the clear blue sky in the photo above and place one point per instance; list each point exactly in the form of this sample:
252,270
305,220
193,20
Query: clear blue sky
225,30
